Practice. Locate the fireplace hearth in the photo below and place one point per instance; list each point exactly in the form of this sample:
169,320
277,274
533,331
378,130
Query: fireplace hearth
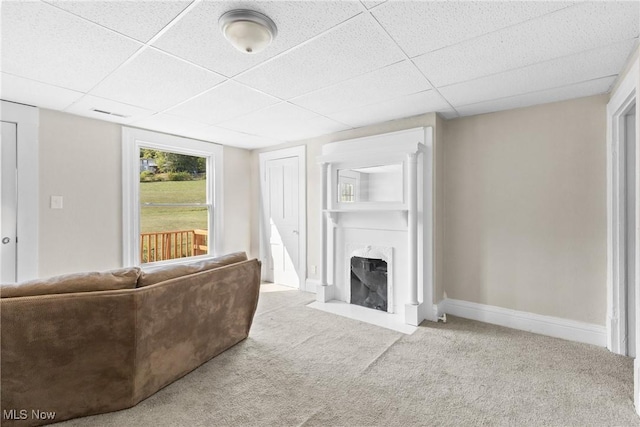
369,283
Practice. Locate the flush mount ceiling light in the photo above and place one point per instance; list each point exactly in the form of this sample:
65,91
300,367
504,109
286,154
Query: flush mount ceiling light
247,30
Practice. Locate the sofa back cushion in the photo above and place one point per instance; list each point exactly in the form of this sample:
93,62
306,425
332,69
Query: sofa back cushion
124,278
167,272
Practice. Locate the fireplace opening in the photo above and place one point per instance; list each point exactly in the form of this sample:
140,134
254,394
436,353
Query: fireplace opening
369,282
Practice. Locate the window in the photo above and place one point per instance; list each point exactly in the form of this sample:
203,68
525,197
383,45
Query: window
347,194
171,198
174,213
348,186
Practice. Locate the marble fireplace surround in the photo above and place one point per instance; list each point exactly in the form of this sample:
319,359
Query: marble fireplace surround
398,231
384,253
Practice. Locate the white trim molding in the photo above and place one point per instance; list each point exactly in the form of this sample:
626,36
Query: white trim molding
544,325
408,218
438,310
620,103
27,119
310,284
133,140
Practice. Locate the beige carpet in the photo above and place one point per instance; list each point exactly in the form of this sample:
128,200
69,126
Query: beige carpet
301,366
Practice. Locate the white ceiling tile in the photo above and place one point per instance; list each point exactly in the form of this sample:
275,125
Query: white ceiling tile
316,126
592,87
169,124
25,91
197,36
138,19
370,4
223,102
406,106
386,83
568,31
589,65
232,138
43,43
156,81
355,48
283,122
424,26
86,105
335,58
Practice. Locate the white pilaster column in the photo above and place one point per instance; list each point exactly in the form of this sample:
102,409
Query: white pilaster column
412,226
323,229
324,292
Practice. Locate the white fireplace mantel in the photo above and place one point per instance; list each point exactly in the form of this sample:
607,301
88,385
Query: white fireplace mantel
402,224
335,214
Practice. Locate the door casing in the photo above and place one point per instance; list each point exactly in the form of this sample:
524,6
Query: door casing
9,196
27,120
620,104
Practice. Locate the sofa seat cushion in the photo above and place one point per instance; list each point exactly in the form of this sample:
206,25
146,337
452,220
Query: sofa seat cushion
124,278
167,272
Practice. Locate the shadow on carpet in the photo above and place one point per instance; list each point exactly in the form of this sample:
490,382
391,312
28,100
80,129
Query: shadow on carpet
302,366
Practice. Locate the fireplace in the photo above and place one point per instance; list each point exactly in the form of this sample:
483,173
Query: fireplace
377,251
369,273
369,282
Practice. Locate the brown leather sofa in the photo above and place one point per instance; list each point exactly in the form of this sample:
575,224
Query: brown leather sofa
91,343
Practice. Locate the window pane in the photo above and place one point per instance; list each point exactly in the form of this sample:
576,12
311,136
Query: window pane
172,178
169,232
172,232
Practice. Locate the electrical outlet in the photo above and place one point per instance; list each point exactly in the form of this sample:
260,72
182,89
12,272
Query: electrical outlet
56,202
314,269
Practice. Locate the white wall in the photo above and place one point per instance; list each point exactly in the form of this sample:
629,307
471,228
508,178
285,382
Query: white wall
525,209
237,203
80,159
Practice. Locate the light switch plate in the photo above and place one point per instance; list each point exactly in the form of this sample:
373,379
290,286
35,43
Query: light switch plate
56,202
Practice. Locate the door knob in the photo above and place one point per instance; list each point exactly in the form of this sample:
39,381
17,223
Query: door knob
295,231
5,240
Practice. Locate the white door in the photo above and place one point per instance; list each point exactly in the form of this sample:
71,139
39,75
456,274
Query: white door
8,219
630,140
283,216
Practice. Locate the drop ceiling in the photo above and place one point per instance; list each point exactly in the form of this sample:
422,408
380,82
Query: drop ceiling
335,65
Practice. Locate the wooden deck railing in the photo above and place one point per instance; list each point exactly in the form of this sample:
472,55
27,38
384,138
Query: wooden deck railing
164,245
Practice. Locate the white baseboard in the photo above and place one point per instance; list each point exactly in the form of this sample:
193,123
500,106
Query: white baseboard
310,285
325,293
438,310
545,325
636,384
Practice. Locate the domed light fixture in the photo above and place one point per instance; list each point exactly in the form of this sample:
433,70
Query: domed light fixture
247,30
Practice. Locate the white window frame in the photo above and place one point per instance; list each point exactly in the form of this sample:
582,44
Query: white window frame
132,141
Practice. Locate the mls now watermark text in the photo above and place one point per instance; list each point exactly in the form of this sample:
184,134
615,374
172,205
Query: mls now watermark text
23,414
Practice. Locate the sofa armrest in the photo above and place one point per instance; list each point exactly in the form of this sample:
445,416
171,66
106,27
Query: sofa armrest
72,354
